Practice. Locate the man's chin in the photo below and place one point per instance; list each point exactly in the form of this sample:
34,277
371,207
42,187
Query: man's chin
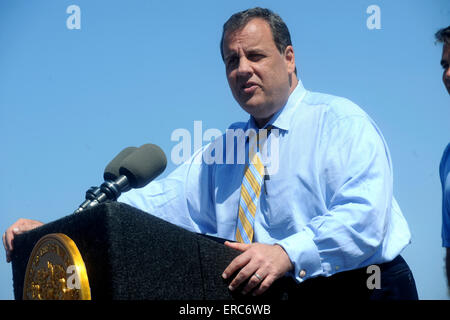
253,109
258,112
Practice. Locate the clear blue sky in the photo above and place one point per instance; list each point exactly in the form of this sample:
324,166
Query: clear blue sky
138,70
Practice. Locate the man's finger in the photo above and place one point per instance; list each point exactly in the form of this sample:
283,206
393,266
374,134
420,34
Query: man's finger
245,273
4,240
237,245
19,227
237,263
265,284
254,280
6,248
9,236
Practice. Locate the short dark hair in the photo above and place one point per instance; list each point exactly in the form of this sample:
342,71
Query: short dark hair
443,35
280,31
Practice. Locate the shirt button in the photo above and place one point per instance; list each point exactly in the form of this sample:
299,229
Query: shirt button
302,273
336,268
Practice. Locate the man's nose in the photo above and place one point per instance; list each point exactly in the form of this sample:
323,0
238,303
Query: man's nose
245,68
447,74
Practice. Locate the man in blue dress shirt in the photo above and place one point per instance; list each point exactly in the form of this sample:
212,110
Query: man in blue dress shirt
443,36
326,204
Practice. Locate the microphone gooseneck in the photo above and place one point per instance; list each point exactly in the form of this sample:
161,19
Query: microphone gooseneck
111,173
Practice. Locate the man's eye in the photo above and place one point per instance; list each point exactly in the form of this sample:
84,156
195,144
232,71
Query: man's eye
231,62
445,66
255,57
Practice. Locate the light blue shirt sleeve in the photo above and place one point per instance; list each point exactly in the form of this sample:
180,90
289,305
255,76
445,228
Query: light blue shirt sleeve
182,198
355,173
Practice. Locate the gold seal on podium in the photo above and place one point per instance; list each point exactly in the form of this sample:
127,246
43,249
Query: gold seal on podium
56,271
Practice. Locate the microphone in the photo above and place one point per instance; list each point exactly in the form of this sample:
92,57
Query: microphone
136,170
112,169
111,173
144,165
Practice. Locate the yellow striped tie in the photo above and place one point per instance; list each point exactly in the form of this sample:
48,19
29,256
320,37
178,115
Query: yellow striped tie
250,192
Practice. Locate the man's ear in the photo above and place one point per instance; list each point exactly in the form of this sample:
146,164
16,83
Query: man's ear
289,58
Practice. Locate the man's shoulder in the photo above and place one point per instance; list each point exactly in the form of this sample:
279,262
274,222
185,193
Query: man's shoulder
330,110
336,105
446,153
444,166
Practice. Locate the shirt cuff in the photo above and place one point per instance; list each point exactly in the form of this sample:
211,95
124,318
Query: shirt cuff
304,255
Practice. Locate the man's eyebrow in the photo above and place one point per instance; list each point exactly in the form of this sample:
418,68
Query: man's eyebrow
248,51
255,51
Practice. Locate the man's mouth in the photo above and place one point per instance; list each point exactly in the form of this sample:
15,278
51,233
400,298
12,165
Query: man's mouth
249,87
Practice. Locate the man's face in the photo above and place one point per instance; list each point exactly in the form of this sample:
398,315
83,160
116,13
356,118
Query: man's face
260,77
445,64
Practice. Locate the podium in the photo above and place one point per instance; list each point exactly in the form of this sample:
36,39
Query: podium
131,255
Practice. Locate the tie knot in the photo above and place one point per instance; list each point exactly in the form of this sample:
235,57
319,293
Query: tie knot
257,141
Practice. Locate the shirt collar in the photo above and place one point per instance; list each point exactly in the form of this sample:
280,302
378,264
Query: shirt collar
282,118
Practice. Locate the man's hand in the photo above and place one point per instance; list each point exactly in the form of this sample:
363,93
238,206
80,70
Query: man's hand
16,228
261,264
